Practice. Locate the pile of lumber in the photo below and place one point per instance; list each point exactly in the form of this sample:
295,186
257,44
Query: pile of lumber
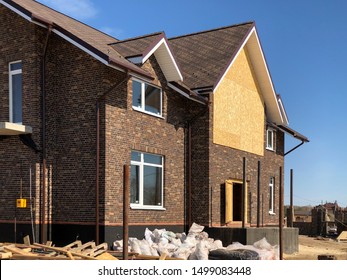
73,251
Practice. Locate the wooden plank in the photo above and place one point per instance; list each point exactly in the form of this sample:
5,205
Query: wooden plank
84,247
63,251
102,248
37,257
26,240
76,243
69,255
5,256
15,250
106,256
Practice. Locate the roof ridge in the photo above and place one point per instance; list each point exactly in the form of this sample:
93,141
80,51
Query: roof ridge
76,20
211,30
138,37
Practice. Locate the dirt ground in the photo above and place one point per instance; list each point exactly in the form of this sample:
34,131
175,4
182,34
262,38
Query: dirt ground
311,247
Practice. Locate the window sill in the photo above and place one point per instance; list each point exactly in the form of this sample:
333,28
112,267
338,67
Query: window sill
147,113
10,129
270,149
147,207
272,213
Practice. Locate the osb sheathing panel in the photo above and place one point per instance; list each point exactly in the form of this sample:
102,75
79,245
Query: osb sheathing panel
239,109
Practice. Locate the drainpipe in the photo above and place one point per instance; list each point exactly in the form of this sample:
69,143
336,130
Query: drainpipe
189,162
302,142
43,135
189,212
97,180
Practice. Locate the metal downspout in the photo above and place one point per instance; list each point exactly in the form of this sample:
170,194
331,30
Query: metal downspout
302,142
43,135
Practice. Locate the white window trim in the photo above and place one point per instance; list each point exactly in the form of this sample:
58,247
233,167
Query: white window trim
141,164
10,74
268,147
142,108
271,193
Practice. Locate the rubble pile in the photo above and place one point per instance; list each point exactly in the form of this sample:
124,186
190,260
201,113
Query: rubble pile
196,245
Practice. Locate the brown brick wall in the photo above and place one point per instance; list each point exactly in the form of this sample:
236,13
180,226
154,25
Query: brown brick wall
19,41
128,130
74,81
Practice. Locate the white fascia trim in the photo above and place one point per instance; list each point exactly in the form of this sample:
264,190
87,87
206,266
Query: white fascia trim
15,10
163,41
183,93
268,73
233,60
86,50
283,111
63,36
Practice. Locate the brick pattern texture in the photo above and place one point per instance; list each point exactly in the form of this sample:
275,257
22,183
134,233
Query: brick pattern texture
75,83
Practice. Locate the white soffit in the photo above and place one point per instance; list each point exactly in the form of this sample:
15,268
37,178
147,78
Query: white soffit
166,61
7,128
274,112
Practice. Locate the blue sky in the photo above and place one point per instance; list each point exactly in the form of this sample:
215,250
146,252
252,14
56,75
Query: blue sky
304,42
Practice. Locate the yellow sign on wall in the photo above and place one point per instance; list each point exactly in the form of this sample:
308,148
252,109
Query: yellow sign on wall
21,203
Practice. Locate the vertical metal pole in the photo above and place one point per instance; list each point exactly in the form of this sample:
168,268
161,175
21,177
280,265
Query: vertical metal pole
243,192
291,208
126,203
281,215
190,222
97,186
258,196
262,210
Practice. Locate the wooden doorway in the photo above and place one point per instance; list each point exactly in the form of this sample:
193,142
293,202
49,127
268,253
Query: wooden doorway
233,201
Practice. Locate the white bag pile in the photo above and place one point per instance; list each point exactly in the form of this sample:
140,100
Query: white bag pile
192,246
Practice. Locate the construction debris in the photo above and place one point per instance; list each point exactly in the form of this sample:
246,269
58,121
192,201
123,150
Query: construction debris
196,245
342,237
72,251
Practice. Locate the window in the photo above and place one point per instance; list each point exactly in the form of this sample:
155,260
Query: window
146,181
270,139
147,98
15,89
272,195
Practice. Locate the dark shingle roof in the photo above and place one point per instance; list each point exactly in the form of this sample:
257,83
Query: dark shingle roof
92,39
138,45
204,56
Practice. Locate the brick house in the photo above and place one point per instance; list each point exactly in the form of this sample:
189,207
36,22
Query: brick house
185,112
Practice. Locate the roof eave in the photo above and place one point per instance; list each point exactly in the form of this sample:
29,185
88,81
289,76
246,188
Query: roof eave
164,55
76,41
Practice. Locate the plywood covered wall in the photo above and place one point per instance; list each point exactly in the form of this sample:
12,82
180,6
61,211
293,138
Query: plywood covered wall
238,108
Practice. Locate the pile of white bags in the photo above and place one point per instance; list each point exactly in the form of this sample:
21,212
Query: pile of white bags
195,245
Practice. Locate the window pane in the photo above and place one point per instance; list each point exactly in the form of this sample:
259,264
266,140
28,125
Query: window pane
152,99
136,156
152,159
136,94
16,66
152,185
17,98
269,139
134,184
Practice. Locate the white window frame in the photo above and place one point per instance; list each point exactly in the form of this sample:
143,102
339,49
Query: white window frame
143,105
10,74
272,195
142,164
270,144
